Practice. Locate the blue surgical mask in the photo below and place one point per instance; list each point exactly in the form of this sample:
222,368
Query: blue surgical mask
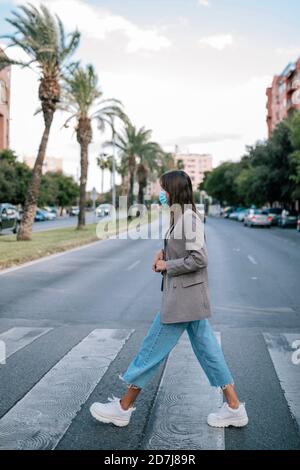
163,198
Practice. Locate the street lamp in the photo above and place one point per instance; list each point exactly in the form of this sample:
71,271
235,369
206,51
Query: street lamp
101,159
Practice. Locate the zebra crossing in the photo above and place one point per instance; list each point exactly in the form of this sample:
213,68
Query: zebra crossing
177,419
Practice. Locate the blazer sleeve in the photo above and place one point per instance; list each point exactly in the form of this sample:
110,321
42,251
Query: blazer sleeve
196,257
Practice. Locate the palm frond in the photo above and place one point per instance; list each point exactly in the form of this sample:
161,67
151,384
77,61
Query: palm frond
41,35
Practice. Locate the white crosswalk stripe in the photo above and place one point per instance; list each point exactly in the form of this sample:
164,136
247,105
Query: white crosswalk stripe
184,398
284,350
183,401
41,418
17,338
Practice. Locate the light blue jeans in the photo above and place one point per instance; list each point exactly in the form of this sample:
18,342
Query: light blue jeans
161,339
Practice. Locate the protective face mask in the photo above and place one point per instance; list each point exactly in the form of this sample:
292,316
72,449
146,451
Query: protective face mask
163,199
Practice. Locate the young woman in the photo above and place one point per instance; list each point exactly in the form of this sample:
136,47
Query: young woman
185,305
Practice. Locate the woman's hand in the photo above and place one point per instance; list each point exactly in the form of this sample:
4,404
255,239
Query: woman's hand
160,266
158,256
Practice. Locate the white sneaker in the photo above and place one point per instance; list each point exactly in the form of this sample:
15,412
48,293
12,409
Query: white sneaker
111,412
227,416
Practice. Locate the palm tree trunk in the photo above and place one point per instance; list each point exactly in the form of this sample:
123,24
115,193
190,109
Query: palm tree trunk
131,185
142,185
131,171
142,174
83,179
25,230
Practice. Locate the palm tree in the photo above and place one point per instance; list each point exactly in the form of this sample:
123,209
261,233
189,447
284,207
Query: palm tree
136,149
103,165
83,99
148,162
42,37
167,162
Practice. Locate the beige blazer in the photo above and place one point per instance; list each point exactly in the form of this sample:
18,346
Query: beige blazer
185,292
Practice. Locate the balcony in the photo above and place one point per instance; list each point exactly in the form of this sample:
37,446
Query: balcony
293,86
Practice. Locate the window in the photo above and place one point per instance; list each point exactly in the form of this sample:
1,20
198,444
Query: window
2,92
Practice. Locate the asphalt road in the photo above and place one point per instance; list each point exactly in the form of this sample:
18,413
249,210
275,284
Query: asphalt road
49,308
64,221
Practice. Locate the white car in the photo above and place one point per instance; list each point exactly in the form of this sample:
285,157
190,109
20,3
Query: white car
102,210
257,217
201,209
74,210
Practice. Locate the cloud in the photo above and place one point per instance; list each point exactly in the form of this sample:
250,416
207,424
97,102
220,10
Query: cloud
204,138
219,41
204,3
98,23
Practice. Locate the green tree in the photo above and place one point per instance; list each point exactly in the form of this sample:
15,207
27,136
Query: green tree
221,183
42,37
294,158
138,155
83,100
68,191
58,190
147,163
14,178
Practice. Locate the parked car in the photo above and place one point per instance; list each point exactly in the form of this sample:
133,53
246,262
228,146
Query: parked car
242,214
102,210
49,215
275,213
9,217
51,209
235,214
288,219
201,210
257,217
227,211
74,211
40,216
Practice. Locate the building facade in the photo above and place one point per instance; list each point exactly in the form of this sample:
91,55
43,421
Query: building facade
283,97
50,165
5,76
194,164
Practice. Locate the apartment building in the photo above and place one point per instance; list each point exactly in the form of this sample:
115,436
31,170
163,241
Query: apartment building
51,164
283,97
194,164
5,77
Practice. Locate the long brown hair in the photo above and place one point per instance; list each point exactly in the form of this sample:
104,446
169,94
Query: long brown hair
179,186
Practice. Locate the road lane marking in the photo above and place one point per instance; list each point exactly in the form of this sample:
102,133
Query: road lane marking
183,401
282,349
42,417
250,258
18,337
133,265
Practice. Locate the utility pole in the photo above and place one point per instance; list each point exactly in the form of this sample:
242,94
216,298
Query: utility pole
113,165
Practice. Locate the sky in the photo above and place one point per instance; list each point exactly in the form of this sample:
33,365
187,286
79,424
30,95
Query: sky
193,71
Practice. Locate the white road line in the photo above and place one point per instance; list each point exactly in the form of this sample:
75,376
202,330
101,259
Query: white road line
133,265
18,337
250,258
284,349
41,418
183,401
